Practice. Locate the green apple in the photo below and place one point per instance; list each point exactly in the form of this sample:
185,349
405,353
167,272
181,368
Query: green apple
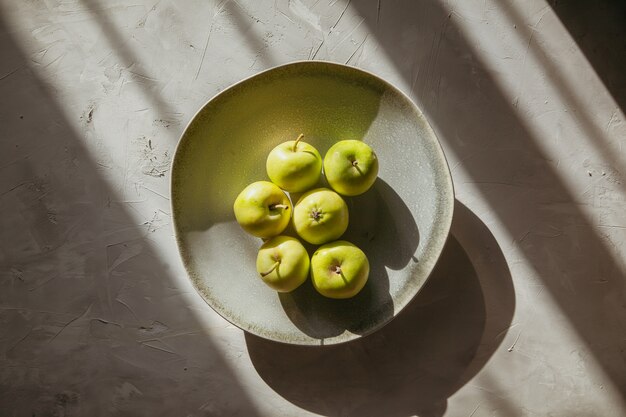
294,166
320,215
283,263
262,209
339,269
351,167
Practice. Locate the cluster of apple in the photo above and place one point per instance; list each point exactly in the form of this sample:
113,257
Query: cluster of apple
338,268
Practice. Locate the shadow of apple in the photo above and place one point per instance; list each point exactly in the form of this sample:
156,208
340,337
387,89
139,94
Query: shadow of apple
384,228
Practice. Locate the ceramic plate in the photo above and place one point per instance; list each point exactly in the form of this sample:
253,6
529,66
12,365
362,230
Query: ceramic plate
401,223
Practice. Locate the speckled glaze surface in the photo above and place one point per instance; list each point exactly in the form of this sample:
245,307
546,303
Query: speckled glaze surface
402,223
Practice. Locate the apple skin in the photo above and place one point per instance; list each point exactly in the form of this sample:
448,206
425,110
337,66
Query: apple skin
350,167
339,270
256,212
320,216
294,170
293,263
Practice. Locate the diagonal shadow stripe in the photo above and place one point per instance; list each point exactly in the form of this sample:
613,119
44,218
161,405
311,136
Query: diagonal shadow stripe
510,172
92,321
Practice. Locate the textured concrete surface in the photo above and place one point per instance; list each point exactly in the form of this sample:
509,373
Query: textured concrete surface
525,315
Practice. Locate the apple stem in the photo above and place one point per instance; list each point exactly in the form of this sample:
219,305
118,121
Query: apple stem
278,206
295,145
355,164
337,270
264,274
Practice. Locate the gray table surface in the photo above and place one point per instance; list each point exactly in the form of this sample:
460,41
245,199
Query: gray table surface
524,316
